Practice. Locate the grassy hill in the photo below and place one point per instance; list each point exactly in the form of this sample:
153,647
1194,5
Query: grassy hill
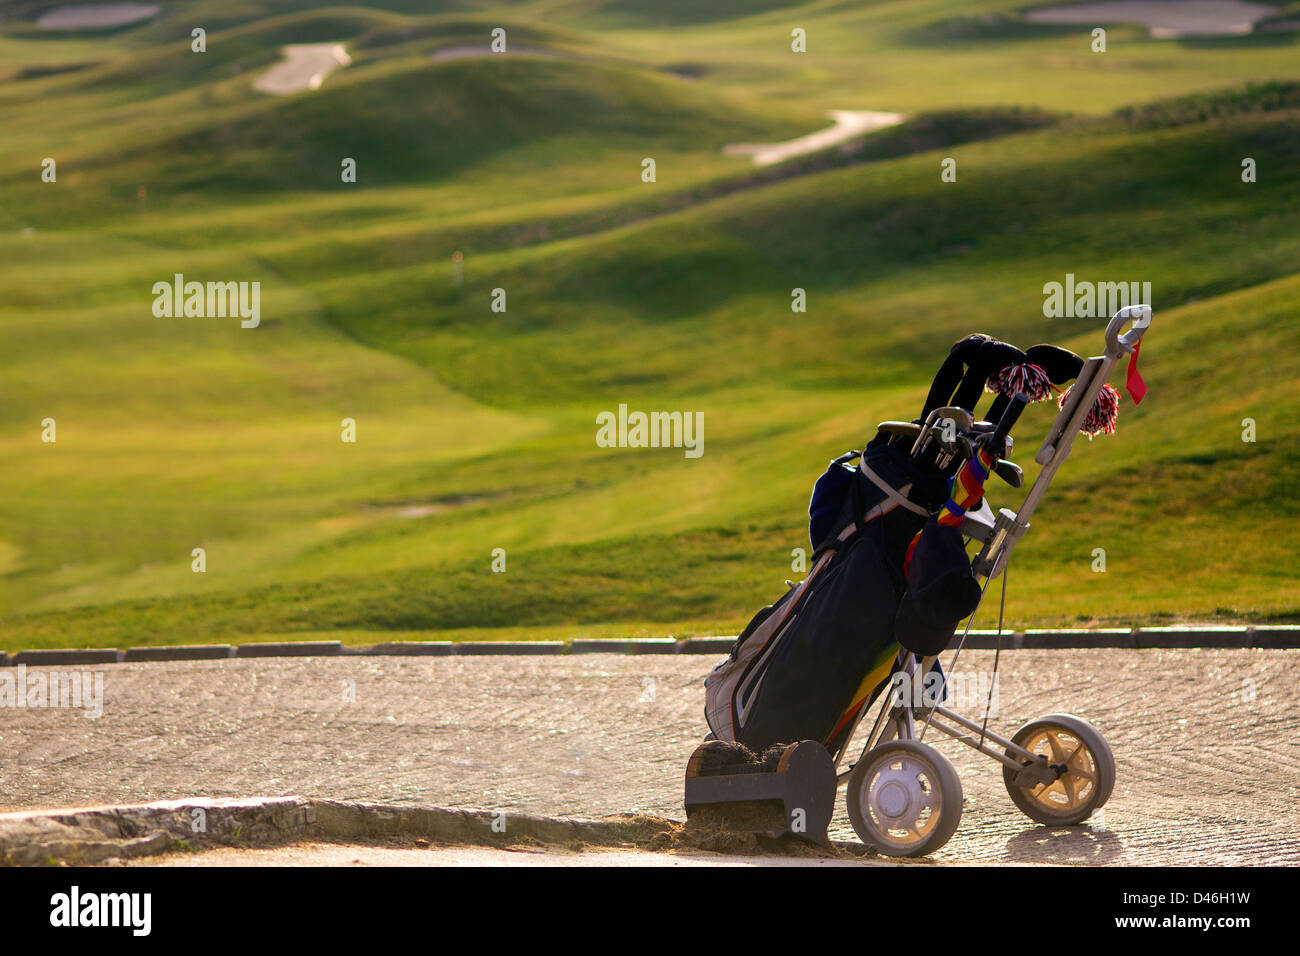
476,429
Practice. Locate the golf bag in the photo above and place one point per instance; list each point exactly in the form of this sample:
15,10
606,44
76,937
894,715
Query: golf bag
799,661
889,563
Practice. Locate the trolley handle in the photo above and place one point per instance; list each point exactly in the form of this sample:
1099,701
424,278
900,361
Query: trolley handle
1118,345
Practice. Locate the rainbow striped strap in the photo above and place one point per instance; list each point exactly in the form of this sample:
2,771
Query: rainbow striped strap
966,487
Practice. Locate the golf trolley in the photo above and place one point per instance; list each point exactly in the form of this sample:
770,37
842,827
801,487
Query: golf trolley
904,797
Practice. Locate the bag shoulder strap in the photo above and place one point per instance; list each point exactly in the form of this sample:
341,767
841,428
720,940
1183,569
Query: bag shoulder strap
890,491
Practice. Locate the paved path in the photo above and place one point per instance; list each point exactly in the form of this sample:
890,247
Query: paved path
848,124
1205,740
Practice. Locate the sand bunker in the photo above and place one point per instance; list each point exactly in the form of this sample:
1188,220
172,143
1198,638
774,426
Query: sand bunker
90,16
848,124
1164,18
304,67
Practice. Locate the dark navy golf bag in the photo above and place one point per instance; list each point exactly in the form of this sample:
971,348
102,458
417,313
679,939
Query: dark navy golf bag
796,666
874,583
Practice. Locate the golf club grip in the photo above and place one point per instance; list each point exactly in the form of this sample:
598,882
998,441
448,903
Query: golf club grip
1008,420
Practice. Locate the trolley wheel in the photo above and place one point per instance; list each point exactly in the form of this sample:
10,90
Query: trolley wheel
1081,761
904,798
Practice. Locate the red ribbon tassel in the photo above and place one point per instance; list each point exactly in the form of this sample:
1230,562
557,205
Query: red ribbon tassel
1137,389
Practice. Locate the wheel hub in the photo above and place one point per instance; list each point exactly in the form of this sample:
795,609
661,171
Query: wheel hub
897,796
1074,775
891,800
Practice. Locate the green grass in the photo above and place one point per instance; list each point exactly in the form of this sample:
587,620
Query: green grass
476,428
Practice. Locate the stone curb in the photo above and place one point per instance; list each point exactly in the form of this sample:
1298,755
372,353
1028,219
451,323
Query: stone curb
179,652
1077,638
1279,637
412,649
1168,637
71,657
467,648
365,821
1276,636
705,645
87,835
90,835
291,649
649,645
987,642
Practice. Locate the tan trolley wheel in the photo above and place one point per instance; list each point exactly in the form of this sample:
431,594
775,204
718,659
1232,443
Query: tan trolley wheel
904,799
1074,747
